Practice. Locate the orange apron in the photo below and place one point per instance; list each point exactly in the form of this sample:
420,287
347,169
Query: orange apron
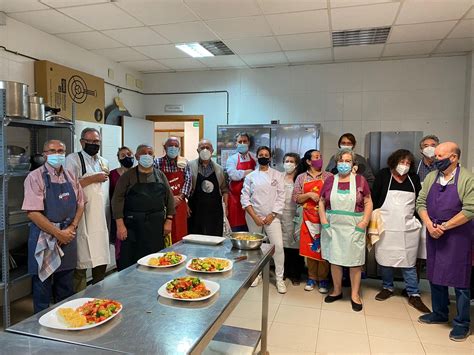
179,227
311,227
236,213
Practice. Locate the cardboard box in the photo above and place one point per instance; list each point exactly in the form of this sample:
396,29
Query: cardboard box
61,86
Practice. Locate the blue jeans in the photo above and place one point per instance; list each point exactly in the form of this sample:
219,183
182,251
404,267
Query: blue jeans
440,303
59,285
409,275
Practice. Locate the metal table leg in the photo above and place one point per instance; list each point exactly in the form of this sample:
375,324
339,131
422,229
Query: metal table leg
265,300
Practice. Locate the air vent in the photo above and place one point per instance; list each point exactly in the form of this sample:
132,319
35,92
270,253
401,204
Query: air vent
217,48
360,37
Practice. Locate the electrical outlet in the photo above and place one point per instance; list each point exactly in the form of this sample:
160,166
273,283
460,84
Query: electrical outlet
111,74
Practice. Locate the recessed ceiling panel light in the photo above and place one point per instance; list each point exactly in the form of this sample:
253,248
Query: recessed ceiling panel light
195,50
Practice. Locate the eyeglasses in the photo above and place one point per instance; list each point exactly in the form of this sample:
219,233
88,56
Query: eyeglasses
54,151
96,141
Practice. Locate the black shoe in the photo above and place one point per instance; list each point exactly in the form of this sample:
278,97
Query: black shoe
331,299
417,303
383,295
356,307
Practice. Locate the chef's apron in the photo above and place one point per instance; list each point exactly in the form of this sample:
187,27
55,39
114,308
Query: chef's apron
398,245
60,206
287,218
144,215
236,213
449,257
311,227
342,242
179,227
207,215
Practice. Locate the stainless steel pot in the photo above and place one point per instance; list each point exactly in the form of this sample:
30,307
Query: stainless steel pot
17,98
37,111
243,244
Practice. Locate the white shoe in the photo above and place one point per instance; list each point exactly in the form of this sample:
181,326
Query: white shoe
281,287
257,280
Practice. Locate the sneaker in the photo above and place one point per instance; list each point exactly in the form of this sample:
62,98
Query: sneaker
281,287
417,303
310,284
383,295
432,318
323,286
459,334
257,280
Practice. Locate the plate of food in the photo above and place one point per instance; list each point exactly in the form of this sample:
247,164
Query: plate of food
81,313
188,288
209,265
160,260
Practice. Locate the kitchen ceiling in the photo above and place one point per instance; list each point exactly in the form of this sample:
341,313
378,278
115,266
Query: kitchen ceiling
141,34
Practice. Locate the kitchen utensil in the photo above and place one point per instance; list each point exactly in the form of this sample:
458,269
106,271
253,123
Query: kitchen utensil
240,258
16,98
246,244
37,110
15,150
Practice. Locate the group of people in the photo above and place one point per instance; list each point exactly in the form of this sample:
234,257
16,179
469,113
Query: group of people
320,217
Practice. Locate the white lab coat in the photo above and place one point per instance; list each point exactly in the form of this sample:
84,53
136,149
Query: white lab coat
92,230
231,165
264,191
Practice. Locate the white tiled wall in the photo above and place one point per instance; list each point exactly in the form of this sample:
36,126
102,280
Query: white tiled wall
413,94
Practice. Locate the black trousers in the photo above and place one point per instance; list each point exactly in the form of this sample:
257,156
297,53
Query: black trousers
294,264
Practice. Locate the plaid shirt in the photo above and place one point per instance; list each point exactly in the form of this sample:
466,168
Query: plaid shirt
205,171
422,169
168,165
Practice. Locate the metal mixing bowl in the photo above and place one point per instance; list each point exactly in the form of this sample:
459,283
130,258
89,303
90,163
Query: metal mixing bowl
247,244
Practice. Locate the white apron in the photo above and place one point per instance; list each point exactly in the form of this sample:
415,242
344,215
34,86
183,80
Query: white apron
287,219
422,244
343,243
398,244
92,232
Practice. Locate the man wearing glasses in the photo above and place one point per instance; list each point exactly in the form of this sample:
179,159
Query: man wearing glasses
54,203
92,171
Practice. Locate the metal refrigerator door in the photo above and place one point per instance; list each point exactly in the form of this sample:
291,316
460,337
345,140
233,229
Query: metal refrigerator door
259,135
297,138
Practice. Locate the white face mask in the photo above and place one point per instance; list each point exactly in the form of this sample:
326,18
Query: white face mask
402,169
428,152
345,147
205,154
289,167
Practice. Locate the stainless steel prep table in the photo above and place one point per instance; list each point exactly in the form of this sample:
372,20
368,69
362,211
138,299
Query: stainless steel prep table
151,324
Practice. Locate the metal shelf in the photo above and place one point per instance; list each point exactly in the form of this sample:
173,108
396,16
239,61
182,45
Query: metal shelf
22,122
19,173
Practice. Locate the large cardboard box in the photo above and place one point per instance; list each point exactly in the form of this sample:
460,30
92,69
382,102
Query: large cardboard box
62,86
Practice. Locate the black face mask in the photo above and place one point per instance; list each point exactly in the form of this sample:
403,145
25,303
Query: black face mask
127,162
91,149
263,161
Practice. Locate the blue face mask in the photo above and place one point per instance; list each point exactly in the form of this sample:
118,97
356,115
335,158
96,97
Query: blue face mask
172,152
242,148
56,160
442,164
146,161
344,168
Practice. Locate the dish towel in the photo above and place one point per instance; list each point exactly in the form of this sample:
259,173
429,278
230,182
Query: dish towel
375,229
47,254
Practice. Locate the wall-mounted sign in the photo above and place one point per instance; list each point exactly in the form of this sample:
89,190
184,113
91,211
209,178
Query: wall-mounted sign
174,108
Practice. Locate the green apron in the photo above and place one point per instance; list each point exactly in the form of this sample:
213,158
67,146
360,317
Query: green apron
342,242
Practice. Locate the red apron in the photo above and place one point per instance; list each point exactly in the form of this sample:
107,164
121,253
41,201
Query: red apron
236,213
179,227
311,227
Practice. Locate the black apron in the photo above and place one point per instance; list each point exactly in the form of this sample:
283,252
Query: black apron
144,215
207,216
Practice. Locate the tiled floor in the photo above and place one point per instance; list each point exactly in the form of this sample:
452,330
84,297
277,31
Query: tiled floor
301,323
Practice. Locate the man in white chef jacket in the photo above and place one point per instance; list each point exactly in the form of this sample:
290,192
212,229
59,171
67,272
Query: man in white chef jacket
92,232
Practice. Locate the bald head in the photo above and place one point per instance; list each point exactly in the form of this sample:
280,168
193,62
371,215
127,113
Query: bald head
205,144
172,141
446,149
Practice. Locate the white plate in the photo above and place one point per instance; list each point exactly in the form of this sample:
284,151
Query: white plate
210,285
144,261
231,264
203,239
51,319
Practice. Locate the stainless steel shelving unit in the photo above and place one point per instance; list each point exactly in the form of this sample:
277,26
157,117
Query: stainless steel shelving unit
13,281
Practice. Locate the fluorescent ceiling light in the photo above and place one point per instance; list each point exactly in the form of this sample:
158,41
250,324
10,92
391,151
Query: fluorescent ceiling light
195,50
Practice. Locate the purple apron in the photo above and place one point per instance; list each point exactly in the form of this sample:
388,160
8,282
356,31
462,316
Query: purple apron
449,257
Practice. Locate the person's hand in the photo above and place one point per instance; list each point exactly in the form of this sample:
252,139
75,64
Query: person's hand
188,210
435,233
178,200
269,219
362,225
167,227
100,177
65,236
122,232
313,196
258,221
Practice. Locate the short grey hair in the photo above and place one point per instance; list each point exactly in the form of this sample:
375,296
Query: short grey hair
142,146
242,134
429,136
87,130
340,153
50,141
172,139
